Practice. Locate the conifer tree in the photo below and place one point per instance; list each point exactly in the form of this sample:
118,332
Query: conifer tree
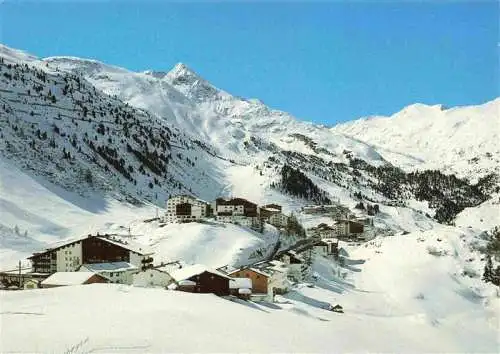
488,270
496,276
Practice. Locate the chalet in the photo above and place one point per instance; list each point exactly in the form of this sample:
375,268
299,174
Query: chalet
259,279
70,255
115,272
200,279
72,278
186,208
158,276
348,228
236,210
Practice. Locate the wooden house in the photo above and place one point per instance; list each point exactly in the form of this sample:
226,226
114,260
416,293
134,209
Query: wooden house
259,278
205,280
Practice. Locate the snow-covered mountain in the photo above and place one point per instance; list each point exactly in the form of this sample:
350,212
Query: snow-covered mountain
460,140
180,133
229,123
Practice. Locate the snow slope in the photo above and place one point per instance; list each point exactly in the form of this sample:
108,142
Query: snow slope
396,296
483,217
211,243
461,140
48,213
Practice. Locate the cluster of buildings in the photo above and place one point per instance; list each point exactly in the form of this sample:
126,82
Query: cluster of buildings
344,229
186,208
111,259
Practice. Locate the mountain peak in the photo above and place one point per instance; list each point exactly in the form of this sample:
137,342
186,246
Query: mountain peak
182,71
192,85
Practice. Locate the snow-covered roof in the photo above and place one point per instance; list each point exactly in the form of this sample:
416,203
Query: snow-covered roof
256,270
126,244
295,255
329,240
275,266
240,283
190,197
190,271
68,278
272,210
226,269
135,247
59,244
16,271
278,264
187,283
172,286
261,272
109,267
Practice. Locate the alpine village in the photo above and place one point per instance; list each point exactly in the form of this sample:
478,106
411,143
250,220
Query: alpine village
113,258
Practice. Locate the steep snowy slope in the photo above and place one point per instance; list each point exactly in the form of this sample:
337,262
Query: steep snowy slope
43,213
213,244
461,140
61,127
229,123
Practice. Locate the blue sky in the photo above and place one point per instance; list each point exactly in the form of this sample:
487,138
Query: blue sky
325,62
